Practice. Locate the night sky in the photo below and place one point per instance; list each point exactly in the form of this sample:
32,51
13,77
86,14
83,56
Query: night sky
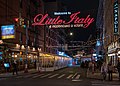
86,7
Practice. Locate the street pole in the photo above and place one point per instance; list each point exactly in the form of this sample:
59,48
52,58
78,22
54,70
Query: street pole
26,49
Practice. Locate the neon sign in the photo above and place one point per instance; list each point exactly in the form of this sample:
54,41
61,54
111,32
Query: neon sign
73,21
116,17
8,31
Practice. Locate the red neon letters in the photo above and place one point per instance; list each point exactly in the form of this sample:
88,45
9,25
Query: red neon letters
46,20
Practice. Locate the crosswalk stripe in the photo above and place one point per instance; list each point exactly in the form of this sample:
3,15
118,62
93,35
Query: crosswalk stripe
27,76
37,76
70,76
74,75
61,76
77,77
53,75
45,75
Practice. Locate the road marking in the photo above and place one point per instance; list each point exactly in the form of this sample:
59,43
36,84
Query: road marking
37,76
74,80
61,76
27,76
77,77
70,76
45,75
74,75
53,75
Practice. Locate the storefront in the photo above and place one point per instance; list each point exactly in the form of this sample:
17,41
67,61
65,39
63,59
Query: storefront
113,49
48,62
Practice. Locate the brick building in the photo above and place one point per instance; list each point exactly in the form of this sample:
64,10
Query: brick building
29,43
19,13
111,30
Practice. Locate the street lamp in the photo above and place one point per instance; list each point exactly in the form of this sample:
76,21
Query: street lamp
71,33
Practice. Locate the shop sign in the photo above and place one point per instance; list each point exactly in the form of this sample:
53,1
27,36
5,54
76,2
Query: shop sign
115,11
113,46
8,31
57,22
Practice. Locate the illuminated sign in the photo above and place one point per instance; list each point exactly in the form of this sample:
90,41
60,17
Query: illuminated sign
1,55
73,21
8,31
98,43
62,13
60,53
116,17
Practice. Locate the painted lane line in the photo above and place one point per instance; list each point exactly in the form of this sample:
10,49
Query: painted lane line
30,75
76,80
53,75
37,76
74,75
77,77
45,75
70,76
61,76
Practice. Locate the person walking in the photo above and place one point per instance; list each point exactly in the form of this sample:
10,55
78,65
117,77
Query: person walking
93,67
15,68
90,66
118,68
104,70
110,70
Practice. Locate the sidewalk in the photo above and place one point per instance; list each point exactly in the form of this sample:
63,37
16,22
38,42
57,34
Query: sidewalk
97,75
6,75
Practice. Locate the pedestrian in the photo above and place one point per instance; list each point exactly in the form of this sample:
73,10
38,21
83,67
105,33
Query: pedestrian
93,67
15,68
110,70
118,68
37,66
90,66
104,70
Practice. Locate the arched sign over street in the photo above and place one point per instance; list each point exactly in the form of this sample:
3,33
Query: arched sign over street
73,21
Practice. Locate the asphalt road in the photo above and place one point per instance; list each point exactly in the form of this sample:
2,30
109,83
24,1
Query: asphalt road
72,76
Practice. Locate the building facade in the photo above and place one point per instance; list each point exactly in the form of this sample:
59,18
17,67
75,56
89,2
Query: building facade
111,30
25,43
20,14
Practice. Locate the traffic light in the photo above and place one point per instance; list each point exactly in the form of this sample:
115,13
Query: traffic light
23,23
20,22
16,20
